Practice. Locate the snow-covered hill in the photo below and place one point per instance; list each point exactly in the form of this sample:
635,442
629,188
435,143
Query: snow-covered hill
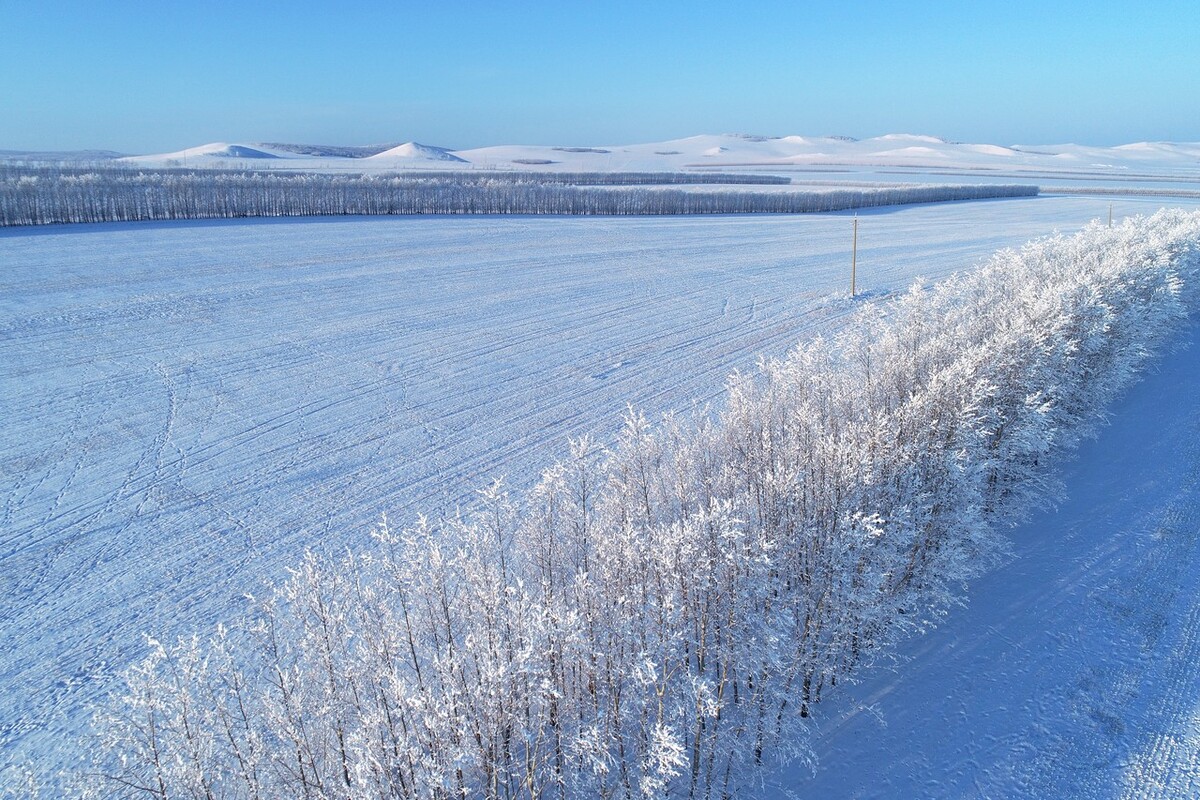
213,154
415,151
905,151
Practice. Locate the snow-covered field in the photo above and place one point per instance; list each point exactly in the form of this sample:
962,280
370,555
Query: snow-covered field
188,406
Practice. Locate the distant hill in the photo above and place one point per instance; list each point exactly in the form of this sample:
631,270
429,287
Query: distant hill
713,151
416,150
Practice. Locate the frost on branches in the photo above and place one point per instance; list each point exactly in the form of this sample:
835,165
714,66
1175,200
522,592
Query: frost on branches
658,617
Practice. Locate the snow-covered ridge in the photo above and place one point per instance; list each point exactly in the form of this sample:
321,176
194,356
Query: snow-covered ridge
711,151
210,154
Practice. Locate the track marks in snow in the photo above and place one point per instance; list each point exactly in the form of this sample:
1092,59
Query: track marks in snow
1164,761
1133,709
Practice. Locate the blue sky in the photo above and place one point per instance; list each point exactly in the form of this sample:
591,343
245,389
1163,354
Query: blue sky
159,76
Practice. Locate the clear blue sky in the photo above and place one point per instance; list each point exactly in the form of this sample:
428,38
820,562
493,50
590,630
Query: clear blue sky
158,76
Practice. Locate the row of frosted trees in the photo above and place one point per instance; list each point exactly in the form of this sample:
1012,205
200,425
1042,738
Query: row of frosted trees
29,196
1122,191
657,617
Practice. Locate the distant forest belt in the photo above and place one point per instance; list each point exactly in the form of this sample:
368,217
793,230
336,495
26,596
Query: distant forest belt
1121,191
32,196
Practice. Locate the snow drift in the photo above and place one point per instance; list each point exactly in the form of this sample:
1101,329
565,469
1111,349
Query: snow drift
657,618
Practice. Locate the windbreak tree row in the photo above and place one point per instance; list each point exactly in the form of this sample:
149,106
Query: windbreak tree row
1122,191
658,617
500,177
32,197
10,171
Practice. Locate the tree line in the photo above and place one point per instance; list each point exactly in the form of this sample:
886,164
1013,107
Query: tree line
658,617
39,196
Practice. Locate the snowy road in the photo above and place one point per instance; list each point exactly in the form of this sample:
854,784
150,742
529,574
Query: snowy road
1074,671
187,406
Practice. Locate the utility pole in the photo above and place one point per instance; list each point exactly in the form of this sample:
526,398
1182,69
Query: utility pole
1110,205
854,256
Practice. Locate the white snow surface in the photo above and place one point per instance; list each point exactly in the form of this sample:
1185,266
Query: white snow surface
188,406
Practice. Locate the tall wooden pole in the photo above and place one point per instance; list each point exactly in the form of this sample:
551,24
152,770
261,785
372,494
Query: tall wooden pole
854,256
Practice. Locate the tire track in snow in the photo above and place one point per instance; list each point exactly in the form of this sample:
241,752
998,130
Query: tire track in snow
1131,709
1165,762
